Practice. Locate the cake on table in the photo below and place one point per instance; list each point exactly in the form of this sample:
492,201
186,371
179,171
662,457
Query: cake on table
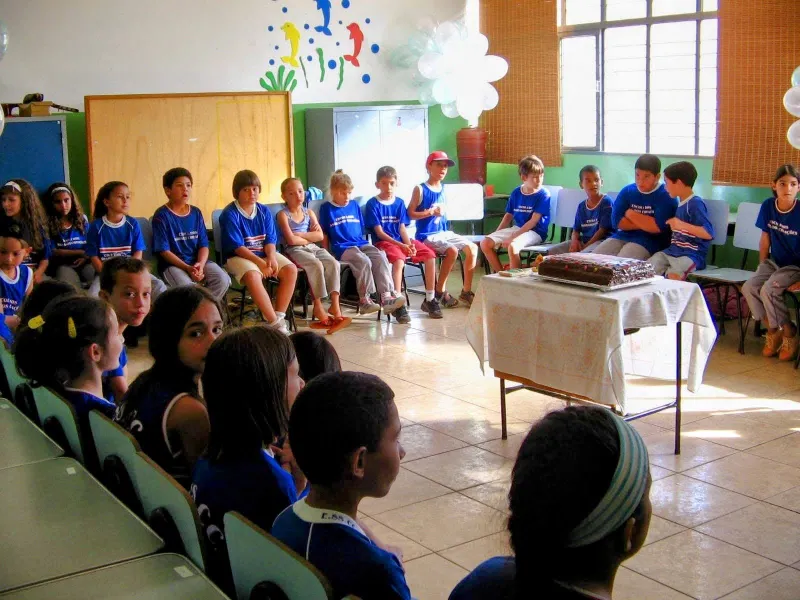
596,269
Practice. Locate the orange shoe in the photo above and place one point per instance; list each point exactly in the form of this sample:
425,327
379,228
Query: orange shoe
339,323
789,348
773,344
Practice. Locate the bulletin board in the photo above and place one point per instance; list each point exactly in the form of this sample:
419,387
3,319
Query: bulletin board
136,138
34,149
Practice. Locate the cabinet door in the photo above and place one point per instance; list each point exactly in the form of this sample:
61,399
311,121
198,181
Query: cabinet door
358,148
404,145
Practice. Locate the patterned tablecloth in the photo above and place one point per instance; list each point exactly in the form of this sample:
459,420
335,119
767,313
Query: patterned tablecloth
571,339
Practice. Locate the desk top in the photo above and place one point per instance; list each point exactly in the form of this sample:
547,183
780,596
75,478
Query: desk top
21,442
57,520
162,576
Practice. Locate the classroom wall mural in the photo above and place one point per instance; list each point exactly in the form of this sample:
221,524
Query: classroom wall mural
323,51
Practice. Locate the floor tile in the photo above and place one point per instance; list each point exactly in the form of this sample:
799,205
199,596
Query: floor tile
473,553
444,522
407,489
657,472
409,548
493,494
420,441
508,448
432,577
460,469
783,585
784,450
691,502
700,566
766,530
734,431
694,452
661,529
789,499
629,585
749,475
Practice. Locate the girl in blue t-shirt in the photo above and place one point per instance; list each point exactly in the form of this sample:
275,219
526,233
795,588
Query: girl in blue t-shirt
67,225
68,347
162,408
250,382
779,266
22,205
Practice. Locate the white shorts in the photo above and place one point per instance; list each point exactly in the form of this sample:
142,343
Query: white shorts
441,241
529,238
239,267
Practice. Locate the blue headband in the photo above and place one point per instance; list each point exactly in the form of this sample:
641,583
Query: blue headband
624,493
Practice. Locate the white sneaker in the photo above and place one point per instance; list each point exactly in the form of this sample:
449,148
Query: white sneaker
391,303
367,307
280,325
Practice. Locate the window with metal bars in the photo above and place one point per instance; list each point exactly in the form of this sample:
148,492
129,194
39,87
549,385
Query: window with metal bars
639,76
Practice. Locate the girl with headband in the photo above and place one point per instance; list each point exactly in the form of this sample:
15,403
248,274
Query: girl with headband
67,227
580,506
21,205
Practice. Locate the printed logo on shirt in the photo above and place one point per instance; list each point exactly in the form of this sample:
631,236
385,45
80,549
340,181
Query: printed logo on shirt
10,304
389,219
344,219
112,251
781,228
185,236
589,223
524,209
68,243
645,209
255,241
684,240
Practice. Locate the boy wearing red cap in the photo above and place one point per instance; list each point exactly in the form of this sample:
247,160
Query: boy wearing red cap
428,207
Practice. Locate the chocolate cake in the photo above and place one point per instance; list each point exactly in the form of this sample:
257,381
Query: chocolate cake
596,268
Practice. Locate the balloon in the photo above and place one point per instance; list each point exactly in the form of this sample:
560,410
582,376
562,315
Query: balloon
470,106
443,92
478,44
796,77
426,97
791,101
493,68
3,39
431,65
446,33
490,97
450,110
793,135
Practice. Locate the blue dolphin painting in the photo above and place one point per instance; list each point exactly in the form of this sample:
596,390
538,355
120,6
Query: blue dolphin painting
325,7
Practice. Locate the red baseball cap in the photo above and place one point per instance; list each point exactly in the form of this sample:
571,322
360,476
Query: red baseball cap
439,155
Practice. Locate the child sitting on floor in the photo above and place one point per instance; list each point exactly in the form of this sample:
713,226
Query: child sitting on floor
345,434
301,232
527,216
67,226
692,230
16,279
343,226
387,217
248,250
779,267
580,506
593,217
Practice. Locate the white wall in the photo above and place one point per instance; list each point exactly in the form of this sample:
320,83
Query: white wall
72,48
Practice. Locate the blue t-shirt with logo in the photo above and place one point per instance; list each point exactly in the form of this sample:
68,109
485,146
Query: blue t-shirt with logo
336,545
105,239
783,228
388,216
657,204
433,224
251,231
181,235
71,238
13,289
522,206
343,225
694,212
589,220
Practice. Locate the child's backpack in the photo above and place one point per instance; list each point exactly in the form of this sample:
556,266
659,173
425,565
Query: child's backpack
730,308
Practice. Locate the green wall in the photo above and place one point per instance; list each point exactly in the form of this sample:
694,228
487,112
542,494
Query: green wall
441,134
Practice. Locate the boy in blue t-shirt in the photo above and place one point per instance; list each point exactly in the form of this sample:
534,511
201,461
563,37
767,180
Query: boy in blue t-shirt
692,230
361,460
16,279
428,207
592,219
527,216
181,241
387,217
249,237
779,268
640,214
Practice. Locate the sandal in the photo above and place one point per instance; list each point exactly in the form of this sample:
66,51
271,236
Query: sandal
326,324
339,323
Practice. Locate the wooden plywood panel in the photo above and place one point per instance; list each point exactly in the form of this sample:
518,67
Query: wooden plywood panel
137,138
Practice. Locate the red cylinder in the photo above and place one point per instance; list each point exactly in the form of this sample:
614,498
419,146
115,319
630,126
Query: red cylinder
471,144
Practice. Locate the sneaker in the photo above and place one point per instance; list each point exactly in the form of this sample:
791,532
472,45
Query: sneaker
391,302
432,308
773,344
367,307
401,315
446,300
466,297
280,325
789,348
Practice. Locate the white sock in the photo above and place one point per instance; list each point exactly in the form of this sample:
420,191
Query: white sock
429,294
280,315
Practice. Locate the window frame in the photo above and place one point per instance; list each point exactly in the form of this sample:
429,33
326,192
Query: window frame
599,29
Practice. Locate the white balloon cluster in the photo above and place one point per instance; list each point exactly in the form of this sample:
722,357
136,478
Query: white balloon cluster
453,69
791,102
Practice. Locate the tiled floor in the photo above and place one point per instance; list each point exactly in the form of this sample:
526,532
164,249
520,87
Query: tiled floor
727,511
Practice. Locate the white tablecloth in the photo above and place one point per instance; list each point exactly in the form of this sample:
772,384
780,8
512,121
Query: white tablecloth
571,338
